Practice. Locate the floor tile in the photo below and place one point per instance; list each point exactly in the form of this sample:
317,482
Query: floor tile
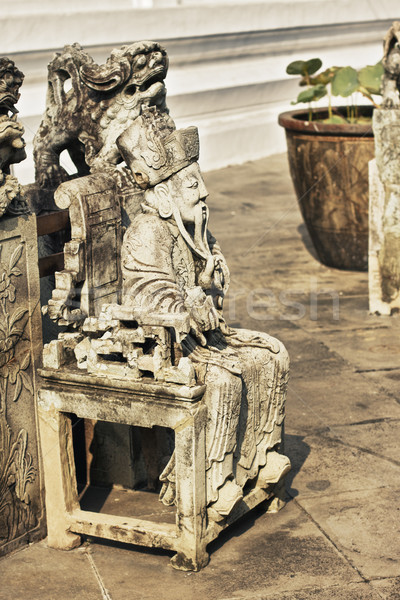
285,550
365,527
42,573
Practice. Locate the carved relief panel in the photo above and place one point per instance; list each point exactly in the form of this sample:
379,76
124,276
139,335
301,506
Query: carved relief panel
21,507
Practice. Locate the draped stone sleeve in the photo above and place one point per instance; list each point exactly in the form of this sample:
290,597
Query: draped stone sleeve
149,279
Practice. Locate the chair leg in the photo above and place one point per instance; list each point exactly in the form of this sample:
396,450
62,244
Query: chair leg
279,498
59,476
183,562
191,493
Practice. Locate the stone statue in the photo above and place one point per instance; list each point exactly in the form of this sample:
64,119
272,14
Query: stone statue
145,343
100,103
384,187
172,264
12,145
88,106
391,63
169,320
21,502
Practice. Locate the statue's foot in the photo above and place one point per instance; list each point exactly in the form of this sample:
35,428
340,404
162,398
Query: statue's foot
277,466
167,477
168,493
229,496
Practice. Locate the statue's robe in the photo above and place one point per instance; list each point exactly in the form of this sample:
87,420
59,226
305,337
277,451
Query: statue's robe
245,372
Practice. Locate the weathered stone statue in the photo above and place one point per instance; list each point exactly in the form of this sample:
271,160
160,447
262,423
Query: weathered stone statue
391,64
100,103
146,344
21,508
384,214
172,268
12,145
172,264
87,107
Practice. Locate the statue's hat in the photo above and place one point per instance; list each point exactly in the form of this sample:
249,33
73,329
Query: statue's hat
154,150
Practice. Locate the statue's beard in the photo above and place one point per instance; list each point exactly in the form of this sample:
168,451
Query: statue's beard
197,240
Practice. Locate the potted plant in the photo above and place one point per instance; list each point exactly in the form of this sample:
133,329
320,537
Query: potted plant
329,150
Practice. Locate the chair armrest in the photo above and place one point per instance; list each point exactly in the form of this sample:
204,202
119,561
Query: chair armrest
180,322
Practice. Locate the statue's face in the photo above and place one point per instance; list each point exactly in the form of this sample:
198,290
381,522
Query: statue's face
188,191
9,86
392,59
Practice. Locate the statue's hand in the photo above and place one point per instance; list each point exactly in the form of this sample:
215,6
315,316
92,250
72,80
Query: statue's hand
202,312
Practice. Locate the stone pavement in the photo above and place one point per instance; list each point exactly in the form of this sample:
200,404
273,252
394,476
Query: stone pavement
339,535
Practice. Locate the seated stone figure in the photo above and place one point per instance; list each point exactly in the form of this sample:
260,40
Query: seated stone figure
12,145
391,63
172,264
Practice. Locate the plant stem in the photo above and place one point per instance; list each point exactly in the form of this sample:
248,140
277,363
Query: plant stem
370,99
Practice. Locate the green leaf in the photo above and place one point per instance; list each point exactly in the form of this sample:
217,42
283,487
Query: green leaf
325,77
306,95
313,65
304,67
345,82
370,78
312,94
296,67
319,91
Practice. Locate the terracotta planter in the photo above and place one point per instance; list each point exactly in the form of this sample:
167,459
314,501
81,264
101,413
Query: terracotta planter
329,168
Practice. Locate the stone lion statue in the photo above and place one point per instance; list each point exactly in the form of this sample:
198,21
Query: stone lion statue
89,105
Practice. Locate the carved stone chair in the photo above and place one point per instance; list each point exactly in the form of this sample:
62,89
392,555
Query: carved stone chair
119,365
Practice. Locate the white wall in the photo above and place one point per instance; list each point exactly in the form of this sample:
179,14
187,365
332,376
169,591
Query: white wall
227,59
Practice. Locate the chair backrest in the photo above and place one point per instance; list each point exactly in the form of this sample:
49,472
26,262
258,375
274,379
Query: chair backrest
92,259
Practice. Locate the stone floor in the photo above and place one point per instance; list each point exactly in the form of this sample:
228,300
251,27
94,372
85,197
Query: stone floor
339,535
